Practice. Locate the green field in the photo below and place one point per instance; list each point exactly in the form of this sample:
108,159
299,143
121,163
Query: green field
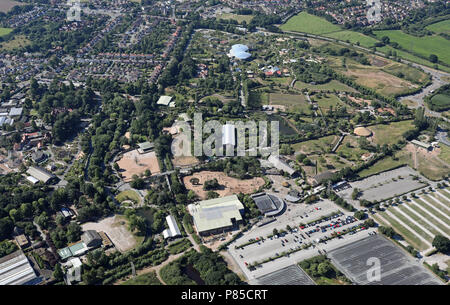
330,86
144,279
353,37
328,101
440,27
382,165
307,23
321,145
5,31
19,41
423,46
238,18
294,102
128,195
440,102
444,154
409,73
390,133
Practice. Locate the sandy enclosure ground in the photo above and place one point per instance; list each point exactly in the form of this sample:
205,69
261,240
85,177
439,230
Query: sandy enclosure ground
134,163
116,229
229,185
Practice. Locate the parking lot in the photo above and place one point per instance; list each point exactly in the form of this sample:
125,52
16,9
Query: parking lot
311,234
384,185
397,267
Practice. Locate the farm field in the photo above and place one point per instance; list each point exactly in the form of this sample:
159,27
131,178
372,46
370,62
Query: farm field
390,133
307,23
440,27
424,46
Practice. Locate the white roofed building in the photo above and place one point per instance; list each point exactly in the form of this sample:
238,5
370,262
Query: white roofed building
15,269
173,230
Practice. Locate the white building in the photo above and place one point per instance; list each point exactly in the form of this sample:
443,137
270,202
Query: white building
15,269
173,230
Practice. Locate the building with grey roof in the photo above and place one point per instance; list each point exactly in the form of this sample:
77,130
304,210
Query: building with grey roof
91,239
40,174
15,269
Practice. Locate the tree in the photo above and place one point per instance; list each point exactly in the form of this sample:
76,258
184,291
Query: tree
359,215
441,243
434,58
58,274
324,269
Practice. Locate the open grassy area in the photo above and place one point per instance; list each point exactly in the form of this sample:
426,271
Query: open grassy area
424,46
440,27
19,41
330,86
353,37
444,153
405,220
238,18
329,100
5,31
350,149
321,145
128,195
383,165
444,200
294,102
307,23
431,210
424,215
444,193
409,73
440,102
144,279
390,133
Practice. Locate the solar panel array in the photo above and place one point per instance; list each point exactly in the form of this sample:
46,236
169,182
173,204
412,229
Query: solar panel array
291,275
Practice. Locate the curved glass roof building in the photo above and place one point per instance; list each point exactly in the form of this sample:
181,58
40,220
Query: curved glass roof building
240,51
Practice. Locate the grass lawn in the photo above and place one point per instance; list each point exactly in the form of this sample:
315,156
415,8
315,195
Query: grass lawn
144,279
350,150
321,145
444,154
409,73
440,27
409,103
407,222
5,31
330,86
418,219
409,236
382,165
424,46
444,193
440,102
19,41
445,201
307,23
294,102
390,133
353,37
436,205
128,195
238,18
330,101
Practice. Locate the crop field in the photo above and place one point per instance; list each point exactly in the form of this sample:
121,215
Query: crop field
307,23
419,219
390,133
425,46
440,27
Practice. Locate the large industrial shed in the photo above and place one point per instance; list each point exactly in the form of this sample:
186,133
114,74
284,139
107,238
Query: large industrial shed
15,269
217,215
